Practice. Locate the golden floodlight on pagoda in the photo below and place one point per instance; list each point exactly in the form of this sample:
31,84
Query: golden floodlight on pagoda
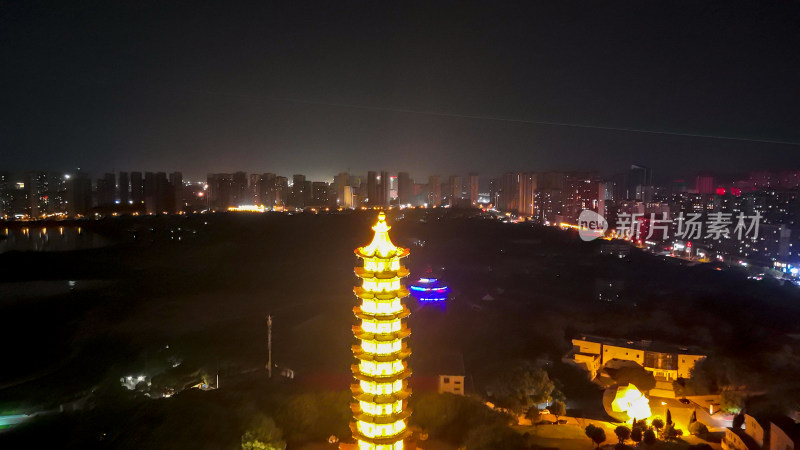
380,390
631,401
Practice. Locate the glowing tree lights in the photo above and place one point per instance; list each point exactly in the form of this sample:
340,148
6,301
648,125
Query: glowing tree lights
381,374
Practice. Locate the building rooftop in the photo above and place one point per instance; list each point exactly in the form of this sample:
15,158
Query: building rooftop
642,344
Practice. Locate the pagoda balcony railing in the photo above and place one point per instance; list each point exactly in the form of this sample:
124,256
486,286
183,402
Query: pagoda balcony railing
403,313
381,295
382,440
381,378
383,419
355,407
361,272
399,252
401,354
359,394
402,333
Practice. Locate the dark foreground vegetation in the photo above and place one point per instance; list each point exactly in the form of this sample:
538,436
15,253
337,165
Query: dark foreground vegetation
181,311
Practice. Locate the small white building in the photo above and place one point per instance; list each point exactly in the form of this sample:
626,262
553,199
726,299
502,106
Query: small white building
451,374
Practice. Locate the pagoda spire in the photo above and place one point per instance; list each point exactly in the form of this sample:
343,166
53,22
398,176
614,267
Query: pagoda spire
380,389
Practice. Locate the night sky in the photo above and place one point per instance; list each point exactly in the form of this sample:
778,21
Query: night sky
427,87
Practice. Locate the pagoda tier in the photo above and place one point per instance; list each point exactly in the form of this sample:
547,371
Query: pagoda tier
361,396
380,391
403,353
382,419
404,373
379,443
366,274
364,335
383,295
402,314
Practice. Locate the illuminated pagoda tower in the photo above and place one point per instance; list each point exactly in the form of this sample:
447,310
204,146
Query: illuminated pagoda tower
381,374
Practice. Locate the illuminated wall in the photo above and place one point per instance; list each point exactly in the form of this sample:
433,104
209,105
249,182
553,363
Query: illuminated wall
624,353
381,372
778,439
669,366
686,363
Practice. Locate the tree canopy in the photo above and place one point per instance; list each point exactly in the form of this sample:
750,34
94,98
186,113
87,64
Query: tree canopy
520,386
596,434
451,417
263,435
558,408
623,433
492,437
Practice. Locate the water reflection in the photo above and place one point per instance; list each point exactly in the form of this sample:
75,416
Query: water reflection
49,239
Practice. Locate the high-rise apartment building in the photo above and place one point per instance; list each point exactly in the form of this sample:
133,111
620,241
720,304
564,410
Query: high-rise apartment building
297,196
580,193
137,190
383,190
124,189
176,194
281,191
106,190
474,188
37,192
527,190
372,188
434,191
319,194
79,193
638,181
405,189
6,210
239,189
495,190
704,184
454,190
252,189
509,193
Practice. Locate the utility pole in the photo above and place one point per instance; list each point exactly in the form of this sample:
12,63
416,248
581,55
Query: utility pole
269,345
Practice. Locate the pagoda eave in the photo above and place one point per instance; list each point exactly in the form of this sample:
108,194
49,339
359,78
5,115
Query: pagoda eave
402,314
364,273
365,356
399,252
360,395
383,295
388,440
379,378
359,333
383,420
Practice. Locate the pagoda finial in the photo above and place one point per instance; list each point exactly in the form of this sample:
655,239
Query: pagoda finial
381,245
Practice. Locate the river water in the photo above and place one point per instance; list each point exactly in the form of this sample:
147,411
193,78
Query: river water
49,239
